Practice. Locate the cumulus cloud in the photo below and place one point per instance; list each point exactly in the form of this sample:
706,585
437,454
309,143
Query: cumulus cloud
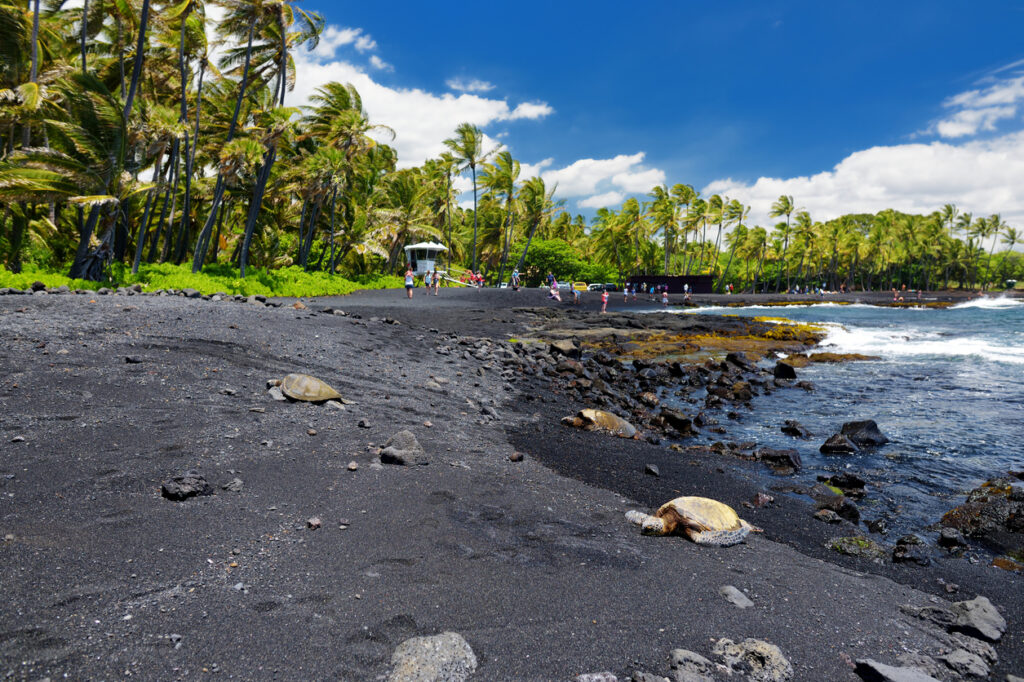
334,37
980,109
980,176
610,198
422,120
604,182
469,85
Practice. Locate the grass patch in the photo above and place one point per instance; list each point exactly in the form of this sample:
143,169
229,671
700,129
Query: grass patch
292,281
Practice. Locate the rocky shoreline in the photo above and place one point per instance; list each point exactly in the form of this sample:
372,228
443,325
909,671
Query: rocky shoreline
496,528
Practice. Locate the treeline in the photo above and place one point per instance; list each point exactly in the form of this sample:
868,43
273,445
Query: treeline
125,142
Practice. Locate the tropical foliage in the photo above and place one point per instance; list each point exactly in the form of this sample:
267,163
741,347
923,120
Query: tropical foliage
129,149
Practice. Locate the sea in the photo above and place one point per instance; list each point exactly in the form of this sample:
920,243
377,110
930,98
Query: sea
947,390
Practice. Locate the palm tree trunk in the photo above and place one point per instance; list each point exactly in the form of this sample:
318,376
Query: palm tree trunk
218,194
85,25
140,54
140,238
334,197
473,167
529,238
257,201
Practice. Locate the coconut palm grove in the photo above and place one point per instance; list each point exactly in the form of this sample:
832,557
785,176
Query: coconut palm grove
146,142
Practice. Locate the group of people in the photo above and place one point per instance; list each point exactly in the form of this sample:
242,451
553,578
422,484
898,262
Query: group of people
555,293
431,281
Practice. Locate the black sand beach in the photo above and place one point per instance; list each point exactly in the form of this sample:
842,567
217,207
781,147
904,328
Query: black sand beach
105,398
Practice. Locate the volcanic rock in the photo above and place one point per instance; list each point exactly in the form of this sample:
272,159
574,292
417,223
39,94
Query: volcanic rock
445,657
403,448
864,434
838,445
791,427
756,659
781,461
784,371
873,671
186,485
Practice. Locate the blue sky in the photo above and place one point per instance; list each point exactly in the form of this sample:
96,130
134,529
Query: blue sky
845,105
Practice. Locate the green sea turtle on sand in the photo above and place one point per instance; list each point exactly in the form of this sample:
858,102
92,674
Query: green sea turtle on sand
705,521
305,387
599,420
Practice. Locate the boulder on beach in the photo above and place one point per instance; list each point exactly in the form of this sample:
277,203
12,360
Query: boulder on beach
994,507
427,659
782,461
864,434
403,448
189,484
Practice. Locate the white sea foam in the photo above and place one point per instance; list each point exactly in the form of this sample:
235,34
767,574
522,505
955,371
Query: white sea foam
991,303
910,343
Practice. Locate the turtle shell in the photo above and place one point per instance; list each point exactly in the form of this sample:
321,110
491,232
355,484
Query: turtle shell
710,515
305,387
606,421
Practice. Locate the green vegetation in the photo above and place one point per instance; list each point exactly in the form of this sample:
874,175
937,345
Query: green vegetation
291,281
126,147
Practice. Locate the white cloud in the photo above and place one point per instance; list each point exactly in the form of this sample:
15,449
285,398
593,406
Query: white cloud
979,110
583,176
472,85
641,181
981,176
610,198
422,120
365,42
378,63
530,170
334,37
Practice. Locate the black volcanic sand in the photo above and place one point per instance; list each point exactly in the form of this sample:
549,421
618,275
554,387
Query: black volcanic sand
532,562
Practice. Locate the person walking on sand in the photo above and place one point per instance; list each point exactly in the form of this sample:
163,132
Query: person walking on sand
554,291
664,297
625,292
436,281
604,300
409,282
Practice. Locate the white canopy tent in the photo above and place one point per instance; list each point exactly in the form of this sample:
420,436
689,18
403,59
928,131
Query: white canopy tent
424,256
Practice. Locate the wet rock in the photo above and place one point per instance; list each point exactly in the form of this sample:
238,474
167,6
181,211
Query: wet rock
951,539
741,391
864,434
857,546
762,500
189,484
873,671
781,461
791,427
739,359
734,596
403,448
756,659
678,421
688,666
442,658
996,507
910,549
838,445
784,371
879,526
233,486
979,618
851,484
827,499
965,664
648,398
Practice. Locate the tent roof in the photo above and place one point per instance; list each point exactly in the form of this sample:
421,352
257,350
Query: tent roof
427,245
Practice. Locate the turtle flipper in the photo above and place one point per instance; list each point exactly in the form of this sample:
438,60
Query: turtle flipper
719,538
649,525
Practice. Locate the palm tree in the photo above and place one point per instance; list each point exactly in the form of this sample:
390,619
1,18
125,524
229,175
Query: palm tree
994,227
538,205
783,206
1011,238
467,147
737,213
499,179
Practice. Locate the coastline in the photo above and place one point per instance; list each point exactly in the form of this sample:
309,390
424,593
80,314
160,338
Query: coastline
531,561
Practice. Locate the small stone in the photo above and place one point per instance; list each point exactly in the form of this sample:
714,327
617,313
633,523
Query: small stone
763,500
735,596
258,409
756,659
827,515
313,523
838,444
688,666
873,671
299,305
445,657
403,448
353,465
276,394
515,457
132,360
364,423
979,618
965,664
951,539
784,371
189,484
233,486
228,391
429,424
596,677
336,405
311,432
18,439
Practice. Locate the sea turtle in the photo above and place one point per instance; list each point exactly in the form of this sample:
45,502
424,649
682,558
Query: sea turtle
305,387
599,420
705,521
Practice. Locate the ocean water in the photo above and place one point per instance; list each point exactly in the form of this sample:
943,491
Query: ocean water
948,391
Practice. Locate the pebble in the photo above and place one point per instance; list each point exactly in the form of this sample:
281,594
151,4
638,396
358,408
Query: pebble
353,465
313,523
233,486
515,457
734,596
18,439
364,424
652,470
311,432
276,394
